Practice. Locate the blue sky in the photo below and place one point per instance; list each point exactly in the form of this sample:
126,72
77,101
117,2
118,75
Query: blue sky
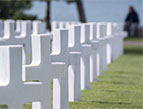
96,10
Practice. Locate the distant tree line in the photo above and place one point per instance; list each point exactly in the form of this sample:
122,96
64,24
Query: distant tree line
14,9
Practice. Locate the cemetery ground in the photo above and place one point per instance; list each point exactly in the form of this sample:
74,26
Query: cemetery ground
121,87
134,39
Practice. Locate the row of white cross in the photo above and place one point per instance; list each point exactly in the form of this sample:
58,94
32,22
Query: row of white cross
73,55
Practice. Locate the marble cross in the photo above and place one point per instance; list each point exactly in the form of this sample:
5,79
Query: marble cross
44,70
85,50
14,92
72,60
24,39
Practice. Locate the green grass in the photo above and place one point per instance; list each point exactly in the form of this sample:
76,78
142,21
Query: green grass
121,87
135,39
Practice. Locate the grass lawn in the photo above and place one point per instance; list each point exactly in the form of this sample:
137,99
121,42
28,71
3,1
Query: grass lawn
135,39
121,87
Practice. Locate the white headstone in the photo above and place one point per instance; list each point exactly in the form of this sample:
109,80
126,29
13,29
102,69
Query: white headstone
87,32
16,92
85,50
103,49
72,60
44,70
24,38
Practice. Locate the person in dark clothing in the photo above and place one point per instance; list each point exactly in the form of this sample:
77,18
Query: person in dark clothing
131,22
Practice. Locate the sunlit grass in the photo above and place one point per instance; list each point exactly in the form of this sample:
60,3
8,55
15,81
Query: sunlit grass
135,39
121,87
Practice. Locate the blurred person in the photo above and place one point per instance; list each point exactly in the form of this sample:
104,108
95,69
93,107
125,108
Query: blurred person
131,22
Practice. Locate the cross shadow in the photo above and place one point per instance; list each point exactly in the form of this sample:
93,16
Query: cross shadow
109,102
133,50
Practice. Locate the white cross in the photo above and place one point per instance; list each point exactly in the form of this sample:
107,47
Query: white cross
101,36
116,40
72,60
44,70
16,92
85,50
24,39
87,32
120,35
112,41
